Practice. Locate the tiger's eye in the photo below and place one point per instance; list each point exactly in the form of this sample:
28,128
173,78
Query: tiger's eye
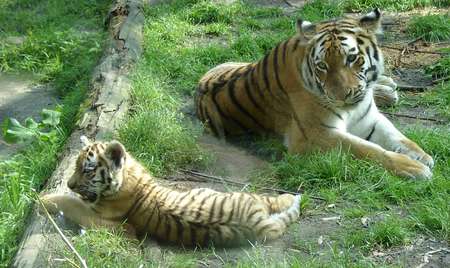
351,58
322,65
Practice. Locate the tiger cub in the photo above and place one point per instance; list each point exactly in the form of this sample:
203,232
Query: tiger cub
113,188
319,89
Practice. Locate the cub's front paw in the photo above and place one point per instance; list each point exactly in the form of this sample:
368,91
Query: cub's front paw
50,202
403,165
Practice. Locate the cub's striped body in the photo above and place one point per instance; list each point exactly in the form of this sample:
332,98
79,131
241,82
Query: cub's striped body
115,188
318,89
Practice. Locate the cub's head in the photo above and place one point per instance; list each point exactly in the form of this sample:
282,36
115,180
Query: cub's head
342,58
99,170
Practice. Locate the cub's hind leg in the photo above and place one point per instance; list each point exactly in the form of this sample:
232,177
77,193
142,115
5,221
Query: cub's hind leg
277,204
274,225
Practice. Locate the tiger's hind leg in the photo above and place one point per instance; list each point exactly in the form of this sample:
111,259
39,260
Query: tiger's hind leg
385,92
279,203
276,224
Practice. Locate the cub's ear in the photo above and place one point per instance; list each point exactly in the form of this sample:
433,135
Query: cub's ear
371,21
85,141
116,153
305,28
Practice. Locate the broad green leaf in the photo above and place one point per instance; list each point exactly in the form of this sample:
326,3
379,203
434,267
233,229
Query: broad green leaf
31,124
15,132
50,117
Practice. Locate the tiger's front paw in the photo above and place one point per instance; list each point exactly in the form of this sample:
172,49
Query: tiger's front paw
385,92
412,150
402,165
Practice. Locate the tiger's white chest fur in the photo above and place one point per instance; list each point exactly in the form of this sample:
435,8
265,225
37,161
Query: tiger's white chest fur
359,120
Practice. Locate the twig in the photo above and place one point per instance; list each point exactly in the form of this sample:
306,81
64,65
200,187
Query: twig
412,87
289,4
220,179
415,40
428,254
217,256
415,50
438,80
415,117
71,262
64,238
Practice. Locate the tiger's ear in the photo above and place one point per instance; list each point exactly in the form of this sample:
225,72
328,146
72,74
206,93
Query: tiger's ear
305,28
371,21
85,141
116,153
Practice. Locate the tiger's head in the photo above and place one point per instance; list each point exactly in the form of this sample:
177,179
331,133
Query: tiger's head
343,60
99,170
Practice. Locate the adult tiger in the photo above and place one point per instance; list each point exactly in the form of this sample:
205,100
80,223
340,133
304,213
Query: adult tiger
318,89
114,189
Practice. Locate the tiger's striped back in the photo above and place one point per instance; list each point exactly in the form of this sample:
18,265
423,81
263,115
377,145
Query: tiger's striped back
233,99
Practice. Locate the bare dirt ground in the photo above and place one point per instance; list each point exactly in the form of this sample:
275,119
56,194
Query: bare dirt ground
22,97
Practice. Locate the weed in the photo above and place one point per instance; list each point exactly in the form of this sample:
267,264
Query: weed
45,131
206,12
440,69
386,233
154,132
106,248
318,10
438,98
364,5
433,28
51,46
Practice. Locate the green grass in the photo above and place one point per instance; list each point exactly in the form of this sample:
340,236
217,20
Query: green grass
62,45
318,10
341,178
437,99
433,28
107,248
403,5
386,233
183,40
154,132
52,41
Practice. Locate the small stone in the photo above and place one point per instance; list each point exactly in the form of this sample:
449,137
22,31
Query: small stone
365,221
320,240
15,40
